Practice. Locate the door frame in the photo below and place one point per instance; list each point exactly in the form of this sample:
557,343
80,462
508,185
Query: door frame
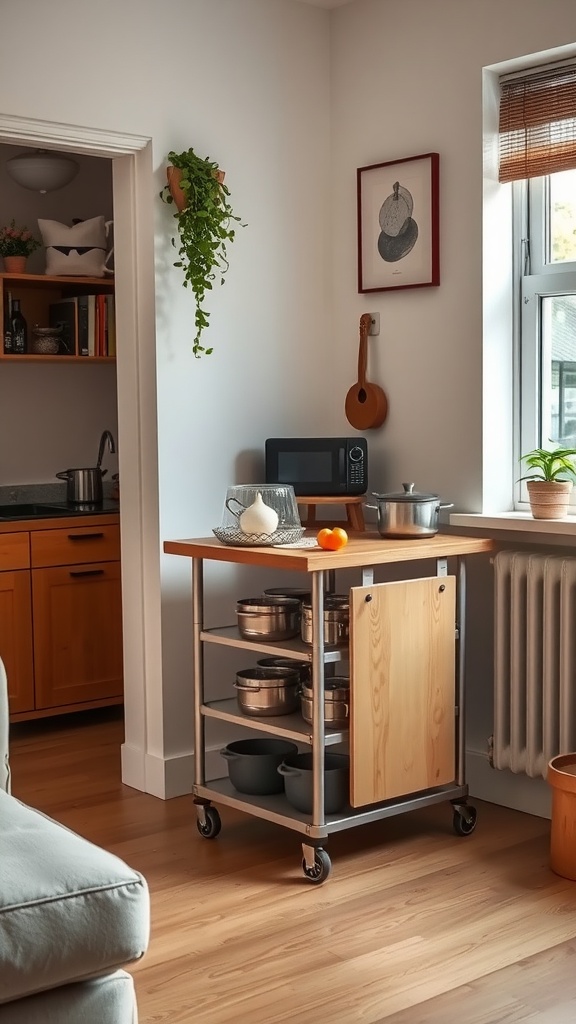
131,157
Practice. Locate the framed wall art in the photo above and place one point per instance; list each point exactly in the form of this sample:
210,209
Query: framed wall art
398,242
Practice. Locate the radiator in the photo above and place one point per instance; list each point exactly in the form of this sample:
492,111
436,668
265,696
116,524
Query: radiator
534,660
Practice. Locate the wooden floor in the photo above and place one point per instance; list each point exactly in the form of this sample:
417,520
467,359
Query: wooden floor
414,926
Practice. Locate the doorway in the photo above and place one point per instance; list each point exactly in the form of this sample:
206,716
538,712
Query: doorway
137,409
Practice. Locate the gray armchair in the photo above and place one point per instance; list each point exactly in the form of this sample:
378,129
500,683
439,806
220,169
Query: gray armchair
71,916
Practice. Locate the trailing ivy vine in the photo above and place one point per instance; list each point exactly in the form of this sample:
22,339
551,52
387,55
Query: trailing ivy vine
205,227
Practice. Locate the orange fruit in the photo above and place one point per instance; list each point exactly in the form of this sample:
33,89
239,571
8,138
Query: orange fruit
332,540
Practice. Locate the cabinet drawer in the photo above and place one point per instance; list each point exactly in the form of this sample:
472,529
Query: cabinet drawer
14,551
75,545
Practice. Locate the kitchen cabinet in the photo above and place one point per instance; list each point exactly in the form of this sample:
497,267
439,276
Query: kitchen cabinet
61,614
36,292
16,620
407,686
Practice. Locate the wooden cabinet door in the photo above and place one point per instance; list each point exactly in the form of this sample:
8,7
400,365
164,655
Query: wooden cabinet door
77,633
16,639
402,688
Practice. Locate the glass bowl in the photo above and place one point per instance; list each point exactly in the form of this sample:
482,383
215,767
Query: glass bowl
280,497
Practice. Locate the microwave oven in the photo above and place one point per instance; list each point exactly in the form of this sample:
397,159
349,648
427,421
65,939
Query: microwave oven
319,466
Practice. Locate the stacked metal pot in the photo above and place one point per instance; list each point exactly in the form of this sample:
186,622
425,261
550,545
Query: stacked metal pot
282,686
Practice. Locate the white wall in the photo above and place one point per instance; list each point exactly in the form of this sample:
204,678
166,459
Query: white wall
247,83
407,79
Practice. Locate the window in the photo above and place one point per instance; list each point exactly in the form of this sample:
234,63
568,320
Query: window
545,236
538,133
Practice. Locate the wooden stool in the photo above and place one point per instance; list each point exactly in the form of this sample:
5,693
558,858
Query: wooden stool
353,506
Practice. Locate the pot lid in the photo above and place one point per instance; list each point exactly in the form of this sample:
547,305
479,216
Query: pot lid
408,494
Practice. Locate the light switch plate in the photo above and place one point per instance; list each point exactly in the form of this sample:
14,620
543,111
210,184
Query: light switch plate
375,324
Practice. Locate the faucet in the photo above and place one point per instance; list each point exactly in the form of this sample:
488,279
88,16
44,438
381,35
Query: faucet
106,437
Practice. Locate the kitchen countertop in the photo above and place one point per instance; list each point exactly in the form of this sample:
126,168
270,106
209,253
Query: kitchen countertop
361,550
59,515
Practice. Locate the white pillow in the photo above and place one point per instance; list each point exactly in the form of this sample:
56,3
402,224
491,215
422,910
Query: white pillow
75,251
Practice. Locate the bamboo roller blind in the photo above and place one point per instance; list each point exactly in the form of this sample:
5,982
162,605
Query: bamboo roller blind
538,123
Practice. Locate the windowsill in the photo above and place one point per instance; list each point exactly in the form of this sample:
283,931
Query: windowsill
517,522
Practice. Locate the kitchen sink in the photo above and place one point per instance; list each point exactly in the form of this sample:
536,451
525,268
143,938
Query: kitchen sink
45,510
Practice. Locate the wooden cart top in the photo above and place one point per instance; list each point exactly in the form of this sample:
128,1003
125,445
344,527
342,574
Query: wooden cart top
369,549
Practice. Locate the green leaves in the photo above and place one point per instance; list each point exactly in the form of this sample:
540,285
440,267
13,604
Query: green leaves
204,227
549,465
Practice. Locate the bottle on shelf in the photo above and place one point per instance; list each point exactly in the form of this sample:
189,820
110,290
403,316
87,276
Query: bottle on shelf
8,347
19,329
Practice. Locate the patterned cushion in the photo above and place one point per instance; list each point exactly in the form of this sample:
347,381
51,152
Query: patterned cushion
75,251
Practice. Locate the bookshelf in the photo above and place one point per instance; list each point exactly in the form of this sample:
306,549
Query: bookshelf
38,292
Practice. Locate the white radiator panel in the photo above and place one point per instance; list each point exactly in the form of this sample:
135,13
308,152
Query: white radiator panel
534,660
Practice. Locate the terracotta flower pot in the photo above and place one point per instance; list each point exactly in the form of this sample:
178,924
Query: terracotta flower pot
15,264
549,499
173,176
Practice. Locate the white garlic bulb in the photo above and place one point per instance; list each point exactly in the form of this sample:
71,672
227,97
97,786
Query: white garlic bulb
258,517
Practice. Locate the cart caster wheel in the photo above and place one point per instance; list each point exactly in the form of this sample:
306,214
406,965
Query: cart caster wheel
209,828
464,824
321,869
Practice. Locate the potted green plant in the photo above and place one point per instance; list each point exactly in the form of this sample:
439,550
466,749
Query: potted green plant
16,245
205,222
550,482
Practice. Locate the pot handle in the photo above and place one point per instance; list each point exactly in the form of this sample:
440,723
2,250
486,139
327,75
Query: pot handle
243,686
450,505
65,475
366,505
103,472
228,754
234,513
285,769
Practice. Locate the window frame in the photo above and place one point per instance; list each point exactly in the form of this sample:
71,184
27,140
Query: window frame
535,278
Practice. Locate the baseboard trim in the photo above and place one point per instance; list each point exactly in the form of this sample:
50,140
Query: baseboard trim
521,793
165,777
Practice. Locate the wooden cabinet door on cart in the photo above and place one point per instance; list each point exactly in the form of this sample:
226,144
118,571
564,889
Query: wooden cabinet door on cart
402,688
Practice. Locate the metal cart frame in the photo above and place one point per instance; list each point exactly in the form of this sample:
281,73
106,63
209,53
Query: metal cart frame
318,826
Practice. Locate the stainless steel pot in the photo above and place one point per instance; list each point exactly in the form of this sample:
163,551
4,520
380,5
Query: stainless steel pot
336,702
268,618
408,514
336,620
262,692
84,486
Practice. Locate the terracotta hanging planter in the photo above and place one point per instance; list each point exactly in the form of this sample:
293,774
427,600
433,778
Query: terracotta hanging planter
549,499
174,176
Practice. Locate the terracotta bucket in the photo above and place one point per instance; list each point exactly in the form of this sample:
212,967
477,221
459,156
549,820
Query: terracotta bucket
562,778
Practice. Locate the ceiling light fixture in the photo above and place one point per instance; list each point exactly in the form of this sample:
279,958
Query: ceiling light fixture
42,171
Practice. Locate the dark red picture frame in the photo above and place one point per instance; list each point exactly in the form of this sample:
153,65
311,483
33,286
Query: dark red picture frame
398,209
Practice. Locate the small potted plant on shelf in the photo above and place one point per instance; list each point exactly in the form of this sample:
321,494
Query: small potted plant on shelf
550,483
16,245
205,222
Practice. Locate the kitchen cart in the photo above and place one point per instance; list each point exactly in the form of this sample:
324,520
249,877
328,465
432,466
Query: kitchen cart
406,654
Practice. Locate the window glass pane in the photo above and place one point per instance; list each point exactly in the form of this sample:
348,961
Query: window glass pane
558,323
562,214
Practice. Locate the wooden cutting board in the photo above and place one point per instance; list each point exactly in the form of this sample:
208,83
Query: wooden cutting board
402,688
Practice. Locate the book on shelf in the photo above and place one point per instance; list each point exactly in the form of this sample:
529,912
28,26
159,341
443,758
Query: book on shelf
83,335
64,314
111,325
101,346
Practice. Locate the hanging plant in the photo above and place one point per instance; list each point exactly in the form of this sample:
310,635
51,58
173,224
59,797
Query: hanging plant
205,222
